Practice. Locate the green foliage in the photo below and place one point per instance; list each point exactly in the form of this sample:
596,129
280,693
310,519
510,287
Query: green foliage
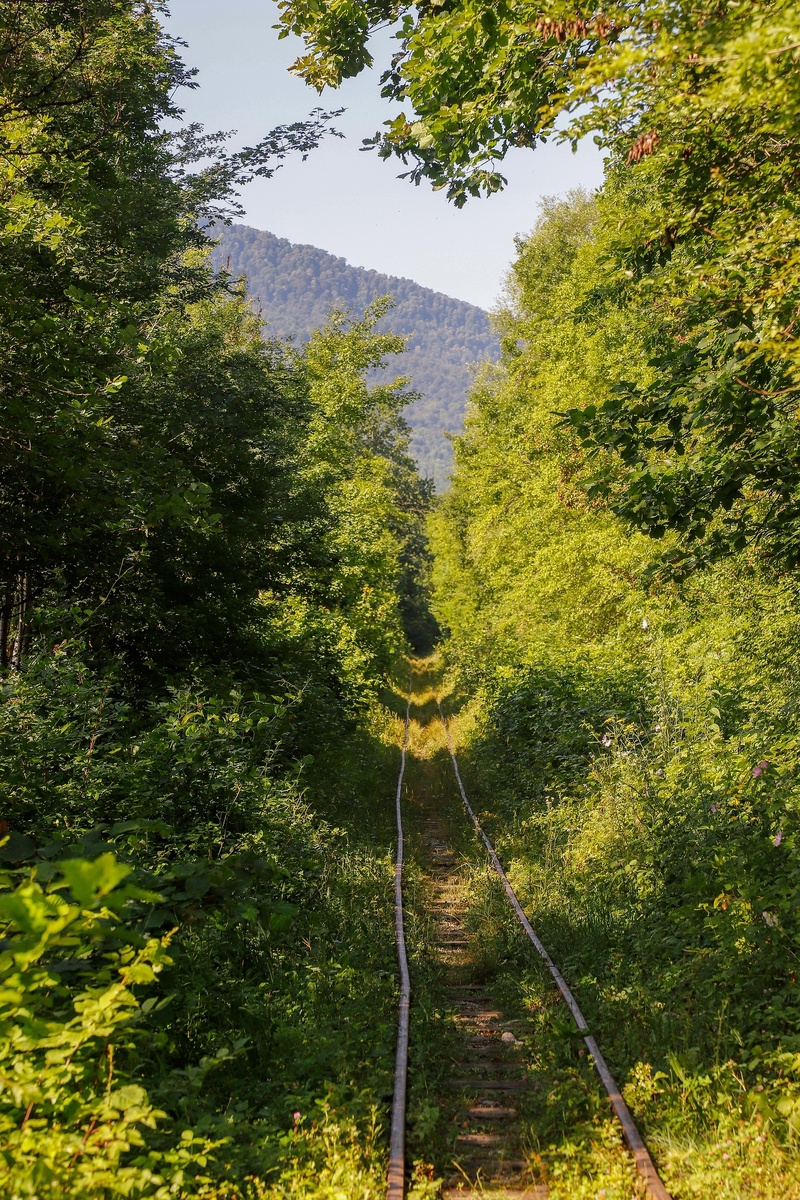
71,1123
706,446
526,535
697,106
636,749
481,79
188,767
294,287
98,224
210,546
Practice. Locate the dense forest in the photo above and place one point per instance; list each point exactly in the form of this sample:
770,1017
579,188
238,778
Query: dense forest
633,726
218,558
209,547
295,287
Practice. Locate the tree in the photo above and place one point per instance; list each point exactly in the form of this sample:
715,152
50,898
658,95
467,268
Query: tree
204,534
697,106
100,230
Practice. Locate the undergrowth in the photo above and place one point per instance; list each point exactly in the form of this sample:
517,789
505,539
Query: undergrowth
649,838
199,999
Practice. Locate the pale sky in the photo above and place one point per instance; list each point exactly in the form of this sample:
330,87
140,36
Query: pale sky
349,201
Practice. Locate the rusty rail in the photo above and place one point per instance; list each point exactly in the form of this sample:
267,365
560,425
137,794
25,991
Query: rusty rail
397,1142
641,1154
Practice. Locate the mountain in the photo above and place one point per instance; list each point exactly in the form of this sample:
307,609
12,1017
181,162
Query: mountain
295,286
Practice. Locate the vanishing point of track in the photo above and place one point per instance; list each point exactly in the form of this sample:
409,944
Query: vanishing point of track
491,1160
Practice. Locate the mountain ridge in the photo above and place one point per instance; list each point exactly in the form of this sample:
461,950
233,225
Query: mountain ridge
296,284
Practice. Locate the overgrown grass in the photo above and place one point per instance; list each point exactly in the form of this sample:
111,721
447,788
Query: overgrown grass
644,823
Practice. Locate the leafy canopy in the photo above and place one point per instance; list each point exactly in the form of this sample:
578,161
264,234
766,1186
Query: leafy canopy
697,106
482,78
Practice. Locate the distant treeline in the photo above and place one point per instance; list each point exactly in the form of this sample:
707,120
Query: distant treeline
295,286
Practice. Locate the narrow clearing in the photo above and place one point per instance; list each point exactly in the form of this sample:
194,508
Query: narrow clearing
480,1076
488,1071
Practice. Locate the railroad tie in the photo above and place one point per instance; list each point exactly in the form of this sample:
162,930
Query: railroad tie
486,1157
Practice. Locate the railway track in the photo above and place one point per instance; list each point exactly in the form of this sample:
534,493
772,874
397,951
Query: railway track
488,1085
488,1079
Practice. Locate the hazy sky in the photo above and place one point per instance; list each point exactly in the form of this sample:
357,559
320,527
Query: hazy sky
346,200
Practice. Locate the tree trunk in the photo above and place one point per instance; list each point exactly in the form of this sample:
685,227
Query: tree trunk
22,608
6,599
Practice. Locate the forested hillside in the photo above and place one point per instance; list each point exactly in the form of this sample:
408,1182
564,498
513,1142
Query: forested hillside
295,288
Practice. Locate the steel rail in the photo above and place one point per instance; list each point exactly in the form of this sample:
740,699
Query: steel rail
641,1154
397,1142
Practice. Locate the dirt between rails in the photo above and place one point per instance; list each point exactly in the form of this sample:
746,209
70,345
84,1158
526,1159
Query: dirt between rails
475,1068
